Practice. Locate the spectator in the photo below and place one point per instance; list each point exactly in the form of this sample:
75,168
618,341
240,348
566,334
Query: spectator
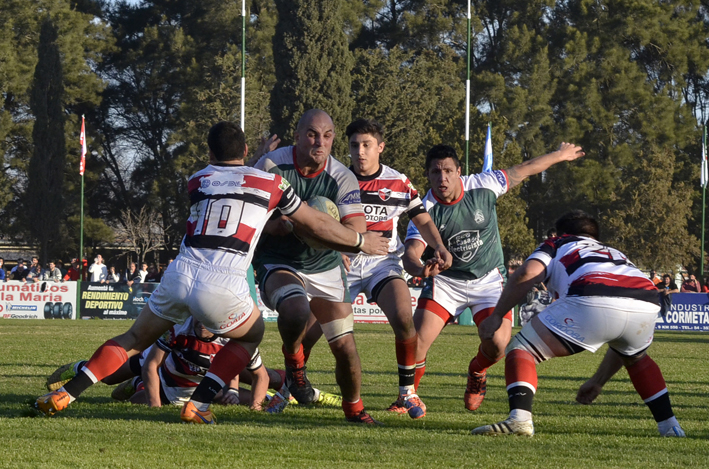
153,274
132,274
666,288
19,272
98,270
34,273
113,276
551,233
655,278
143,272
2,270
705,287
691,285
52,273
74,272
34,263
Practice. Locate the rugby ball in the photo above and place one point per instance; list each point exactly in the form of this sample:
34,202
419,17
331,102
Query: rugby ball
324,205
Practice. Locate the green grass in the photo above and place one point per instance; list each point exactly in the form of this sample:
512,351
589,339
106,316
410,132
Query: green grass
617,431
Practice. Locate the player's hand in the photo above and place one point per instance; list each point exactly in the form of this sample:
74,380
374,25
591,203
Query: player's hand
444,258
281,226
346,262
570,152
375,243
588,392
227,398
266,145
487,328
430,269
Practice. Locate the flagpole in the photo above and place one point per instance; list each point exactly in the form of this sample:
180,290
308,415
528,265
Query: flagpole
467,101
704,196
243,64
82,168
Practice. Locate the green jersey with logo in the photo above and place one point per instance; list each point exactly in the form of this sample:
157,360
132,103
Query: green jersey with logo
335,182
468,225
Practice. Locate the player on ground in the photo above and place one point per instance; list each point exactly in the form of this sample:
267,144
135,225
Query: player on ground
230,204
463,210
297,280
169,371
602,298
387,194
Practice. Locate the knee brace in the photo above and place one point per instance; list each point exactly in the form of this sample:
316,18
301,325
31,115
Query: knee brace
338,328
528,340
277,296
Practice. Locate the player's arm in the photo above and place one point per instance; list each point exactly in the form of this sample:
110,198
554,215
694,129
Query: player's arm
259,386
566,152
151,377
336,235
230,394
430,234
589,390
413,250
521,281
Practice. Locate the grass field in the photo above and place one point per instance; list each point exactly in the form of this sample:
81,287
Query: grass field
617,431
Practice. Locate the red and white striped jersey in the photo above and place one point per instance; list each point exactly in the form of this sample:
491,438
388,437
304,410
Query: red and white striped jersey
583,267
229,207
385,195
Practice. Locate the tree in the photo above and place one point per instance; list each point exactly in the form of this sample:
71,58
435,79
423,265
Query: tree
141,230
44,197
313,69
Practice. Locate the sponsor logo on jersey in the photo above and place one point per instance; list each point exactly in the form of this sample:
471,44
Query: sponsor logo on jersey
464,244
384,194
206,183
500,177
284,184
351,198
478,216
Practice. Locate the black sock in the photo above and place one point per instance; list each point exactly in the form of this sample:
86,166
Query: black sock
520,397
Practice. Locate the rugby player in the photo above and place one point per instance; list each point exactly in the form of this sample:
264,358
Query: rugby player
602,299
463,210
298,281
230,204
386,195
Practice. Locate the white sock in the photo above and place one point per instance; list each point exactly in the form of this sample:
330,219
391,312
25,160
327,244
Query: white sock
406,390
71,398
665,425
520,415
201,406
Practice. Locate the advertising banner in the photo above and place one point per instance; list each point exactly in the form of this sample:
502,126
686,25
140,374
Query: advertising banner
114,300
689,312
40,300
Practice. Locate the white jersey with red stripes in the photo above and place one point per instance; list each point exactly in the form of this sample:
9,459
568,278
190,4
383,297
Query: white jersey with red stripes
577,266
229,207
386,195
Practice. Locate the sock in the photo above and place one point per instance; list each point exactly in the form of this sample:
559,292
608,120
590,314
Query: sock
294,360
228,362
665,425
406,363
352,408
104,362
520,415
650,384
306,355
521,380
419,372
480,363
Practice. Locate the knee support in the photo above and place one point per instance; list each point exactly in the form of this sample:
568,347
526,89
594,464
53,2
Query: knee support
338,328
528,340
283,293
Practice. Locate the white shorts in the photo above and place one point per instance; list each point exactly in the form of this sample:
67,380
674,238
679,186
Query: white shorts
220,301
368,272
626,325
330,285
177,395
454,295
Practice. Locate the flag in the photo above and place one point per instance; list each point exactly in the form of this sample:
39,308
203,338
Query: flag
705,170
82,140
487,160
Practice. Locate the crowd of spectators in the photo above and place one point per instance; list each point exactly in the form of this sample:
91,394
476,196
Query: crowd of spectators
98,272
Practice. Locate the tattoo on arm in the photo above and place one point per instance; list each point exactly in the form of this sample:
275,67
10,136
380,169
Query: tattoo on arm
514,177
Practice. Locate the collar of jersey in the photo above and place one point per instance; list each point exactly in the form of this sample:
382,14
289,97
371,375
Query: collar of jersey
310,176
370,177
462,193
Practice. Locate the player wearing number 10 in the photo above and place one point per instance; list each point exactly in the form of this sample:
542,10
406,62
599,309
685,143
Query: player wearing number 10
230,204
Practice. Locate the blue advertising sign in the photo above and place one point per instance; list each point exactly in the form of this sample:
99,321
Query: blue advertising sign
689,312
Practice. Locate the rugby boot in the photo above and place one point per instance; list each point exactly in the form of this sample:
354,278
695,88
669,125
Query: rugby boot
190,414
363,417
506,427
475,390
62,375
327,399
415,407
279,401
51,403
126,389
299,386
675,432
399,405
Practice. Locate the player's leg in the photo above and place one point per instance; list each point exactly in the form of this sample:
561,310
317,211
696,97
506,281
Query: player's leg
312,335
107,359
429,320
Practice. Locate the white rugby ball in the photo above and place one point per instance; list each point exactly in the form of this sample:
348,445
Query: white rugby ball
324,205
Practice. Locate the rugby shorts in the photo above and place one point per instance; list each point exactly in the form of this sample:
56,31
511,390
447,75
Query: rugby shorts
455,295
330,285
368,272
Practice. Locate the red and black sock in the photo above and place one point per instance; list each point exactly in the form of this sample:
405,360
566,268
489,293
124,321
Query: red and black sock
104,362
228,362
419,372
294,360
406,361
521,379
650,384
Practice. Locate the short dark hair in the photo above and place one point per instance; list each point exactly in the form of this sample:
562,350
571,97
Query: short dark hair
577,222
667,276
366,126
441,152
226,141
